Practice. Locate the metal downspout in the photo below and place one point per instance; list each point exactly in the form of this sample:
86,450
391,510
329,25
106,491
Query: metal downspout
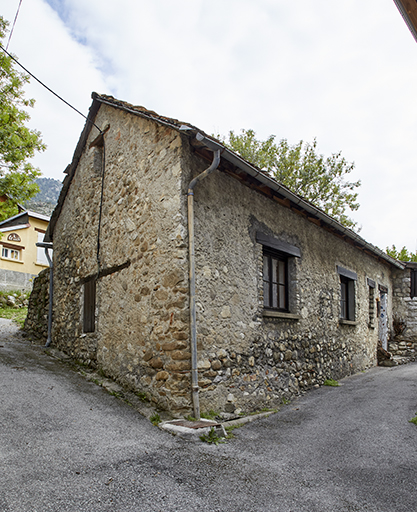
191,245
48,246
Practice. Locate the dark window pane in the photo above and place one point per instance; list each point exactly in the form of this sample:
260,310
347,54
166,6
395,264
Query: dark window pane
343,300
274,269
281,272
266,294
275,281
282,303
274,296
266,268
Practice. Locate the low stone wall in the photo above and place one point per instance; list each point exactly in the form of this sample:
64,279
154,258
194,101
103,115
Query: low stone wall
36,323
11,280
404,348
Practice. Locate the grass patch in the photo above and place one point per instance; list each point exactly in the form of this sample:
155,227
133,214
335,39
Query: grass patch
142,396
413,420
209,415
212,437
331,382
190,418
14,306
230,428
155,419
17,315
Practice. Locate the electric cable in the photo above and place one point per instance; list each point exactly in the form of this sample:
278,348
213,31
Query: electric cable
104,149
49,89
14,23
89,121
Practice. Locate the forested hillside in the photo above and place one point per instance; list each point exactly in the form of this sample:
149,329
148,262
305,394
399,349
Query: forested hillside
45,201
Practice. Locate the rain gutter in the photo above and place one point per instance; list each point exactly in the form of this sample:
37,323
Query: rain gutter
191,246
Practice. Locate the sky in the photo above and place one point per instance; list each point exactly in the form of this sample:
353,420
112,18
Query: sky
344,72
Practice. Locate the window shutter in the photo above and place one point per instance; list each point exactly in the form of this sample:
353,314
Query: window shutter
89,322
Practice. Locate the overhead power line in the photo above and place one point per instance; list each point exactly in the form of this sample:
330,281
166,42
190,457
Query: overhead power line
48,88
14,23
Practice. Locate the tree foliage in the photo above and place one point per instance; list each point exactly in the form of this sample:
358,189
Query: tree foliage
321,180
402,255
17,142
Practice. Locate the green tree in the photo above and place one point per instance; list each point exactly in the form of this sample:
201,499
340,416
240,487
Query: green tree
17,142
321,180
402,255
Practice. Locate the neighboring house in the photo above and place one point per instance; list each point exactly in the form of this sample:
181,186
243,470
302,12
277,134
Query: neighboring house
283,298
408,10
20,259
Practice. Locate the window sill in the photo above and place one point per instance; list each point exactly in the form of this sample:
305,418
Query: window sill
45,265
12,260
280,314
347,322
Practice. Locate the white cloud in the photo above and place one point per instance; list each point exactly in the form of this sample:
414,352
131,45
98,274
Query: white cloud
342,71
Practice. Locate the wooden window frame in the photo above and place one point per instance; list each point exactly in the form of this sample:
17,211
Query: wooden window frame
275,300
347,299
9,249
372,300
347,294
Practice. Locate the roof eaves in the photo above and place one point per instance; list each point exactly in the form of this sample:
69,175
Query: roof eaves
70,170
212,144
142,112
305,205
15,228
13,218
411,22
37,215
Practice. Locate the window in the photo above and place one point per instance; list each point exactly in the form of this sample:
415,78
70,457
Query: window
278,273
347,293
275,278
413,283
371,287
11,254
41,258
89,313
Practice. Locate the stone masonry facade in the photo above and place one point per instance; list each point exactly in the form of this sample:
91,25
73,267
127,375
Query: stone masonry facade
248,357
142,328
36,323
403,340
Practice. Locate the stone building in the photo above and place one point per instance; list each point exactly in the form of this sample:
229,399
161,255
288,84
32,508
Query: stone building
282,297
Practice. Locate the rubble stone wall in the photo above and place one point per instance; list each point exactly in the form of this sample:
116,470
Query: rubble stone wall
403,341
36,323
141,333
247,359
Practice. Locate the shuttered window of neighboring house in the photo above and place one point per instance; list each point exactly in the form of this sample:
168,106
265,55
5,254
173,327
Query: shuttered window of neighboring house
413,276
89,320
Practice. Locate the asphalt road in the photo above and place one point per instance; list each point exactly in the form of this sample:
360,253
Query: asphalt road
67,445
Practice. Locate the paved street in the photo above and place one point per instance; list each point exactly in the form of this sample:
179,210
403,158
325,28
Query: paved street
67,445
